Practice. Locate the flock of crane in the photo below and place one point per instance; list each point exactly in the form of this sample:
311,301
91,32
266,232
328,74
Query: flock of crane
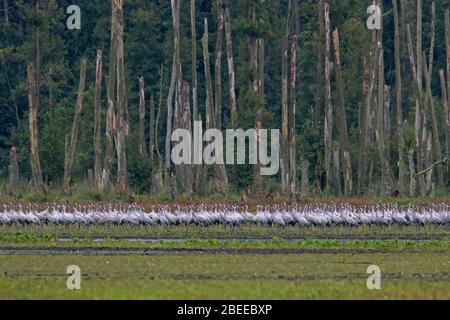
276,215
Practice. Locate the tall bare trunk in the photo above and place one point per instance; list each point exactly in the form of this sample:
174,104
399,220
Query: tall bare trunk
208,82
151,149
111,126
419,105
194,63
218,65
156,180
328,124
445,112
398,96
369,75
122,125
97,119
437,148
37,53
342,118
142,144
231,72
210,118
284,161
71,148
38,182
292,128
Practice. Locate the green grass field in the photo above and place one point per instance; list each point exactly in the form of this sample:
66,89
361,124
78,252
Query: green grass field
241,232
319,270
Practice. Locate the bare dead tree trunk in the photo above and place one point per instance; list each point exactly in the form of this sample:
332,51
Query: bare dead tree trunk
156,180
437,149
37,48
218,65
342,119
369,76
152,130
292,118
328,124
111,113
186,123
194,63
445,111
142,144
419,104
231,72
284,161
13,173
210,118
209,92
379,132
38,182
97,119
122,125
71,148
398,96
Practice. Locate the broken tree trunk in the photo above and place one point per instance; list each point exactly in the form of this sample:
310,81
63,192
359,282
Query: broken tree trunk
97,120
38,182
231,72
71,148
328,124
342,119
142,144
13,173
111,113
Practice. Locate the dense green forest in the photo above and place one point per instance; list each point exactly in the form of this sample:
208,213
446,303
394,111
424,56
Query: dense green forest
361,112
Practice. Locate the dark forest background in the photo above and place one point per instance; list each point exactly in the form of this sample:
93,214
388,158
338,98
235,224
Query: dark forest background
149,45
